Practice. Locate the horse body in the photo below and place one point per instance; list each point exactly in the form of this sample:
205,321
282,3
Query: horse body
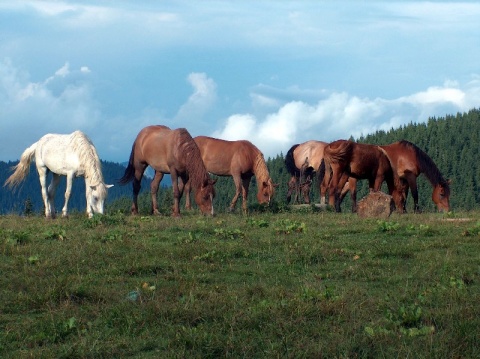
302,161
70,155
240,159
359,161
173,152
408,161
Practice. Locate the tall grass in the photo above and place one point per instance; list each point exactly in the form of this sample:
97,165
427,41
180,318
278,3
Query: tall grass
294,284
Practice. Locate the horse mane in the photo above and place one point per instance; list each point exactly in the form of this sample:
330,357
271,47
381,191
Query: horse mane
197,172
260,168
290,161
427,166
89,160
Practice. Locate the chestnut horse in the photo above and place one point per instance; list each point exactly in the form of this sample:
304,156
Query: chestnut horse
174,152
346,159
302,161
409,161
239,159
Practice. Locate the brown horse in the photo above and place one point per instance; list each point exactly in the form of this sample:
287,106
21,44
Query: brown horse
409,161
241,160
346,159
174,152
302,161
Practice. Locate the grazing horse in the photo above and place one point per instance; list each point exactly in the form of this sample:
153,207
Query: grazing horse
241,160
302,161
346,159
173,152
70,155
409,161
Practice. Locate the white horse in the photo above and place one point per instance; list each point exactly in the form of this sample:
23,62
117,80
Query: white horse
70,155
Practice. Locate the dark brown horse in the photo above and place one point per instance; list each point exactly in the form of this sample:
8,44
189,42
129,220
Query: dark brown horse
241,160
346,159
302,161
409,161
174,152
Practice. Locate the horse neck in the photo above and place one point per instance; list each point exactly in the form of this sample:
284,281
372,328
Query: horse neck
260,170
91,165
197,172
429,168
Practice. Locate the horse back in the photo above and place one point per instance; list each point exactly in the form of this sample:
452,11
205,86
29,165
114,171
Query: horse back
155,146
225,158
309,153
56,153
403,157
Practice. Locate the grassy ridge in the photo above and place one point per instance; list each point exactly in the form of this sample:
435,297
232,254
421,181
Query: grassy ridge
297,284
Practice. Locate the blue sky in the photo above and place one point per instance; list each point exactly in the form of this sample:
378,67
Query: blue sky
273,72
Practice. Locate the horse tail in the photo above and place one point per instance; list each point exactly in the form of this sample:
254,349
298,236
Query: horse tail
129,174
22,168
290,162
338,151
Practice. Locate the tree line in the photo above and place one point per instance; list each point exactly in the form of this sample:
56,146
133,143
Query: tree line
451,141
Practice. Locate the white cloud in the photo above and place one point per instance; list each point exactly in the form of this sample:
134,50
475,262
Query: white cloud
341,115
203,97
64,70
437,95
28,110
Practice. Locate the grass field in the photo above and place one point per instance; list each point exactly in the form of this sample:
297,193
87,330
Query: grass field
299,284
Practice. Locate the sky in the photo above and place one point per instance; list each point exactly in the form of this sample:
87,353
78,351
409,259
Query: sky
275,73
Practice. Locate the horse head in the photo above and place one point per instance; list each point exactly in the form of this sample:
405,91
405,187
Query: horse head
205,195
96,195
266,191
441,196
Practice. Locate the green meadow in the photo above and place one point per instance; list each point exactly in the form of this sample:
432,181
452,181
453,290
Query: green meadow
292,284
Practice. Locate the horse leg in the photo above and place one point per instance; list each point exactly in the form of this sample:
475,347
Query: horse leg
176,193
136,185
238,187
291,188
154,190
412,183
323,188
333,195
42,175
338,198
350,185
68,191
245,185
396,189
52,188
187,188
347,187
305,189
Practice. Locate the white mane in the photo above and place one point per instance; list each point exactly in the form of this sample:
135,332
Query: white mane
88,157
